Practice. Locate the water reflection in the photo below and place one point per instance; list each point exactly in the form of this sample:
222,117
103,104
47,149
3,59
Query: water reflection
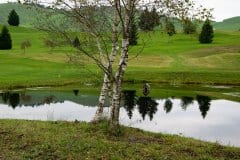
146,105
168,105
5,97
75,92
129,101
204,103
186,115
186,101
12,99
48,99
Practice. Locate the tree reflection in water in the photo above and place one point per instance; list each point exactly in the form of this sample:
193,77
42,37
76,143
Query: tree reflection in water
21,99
186,101
12,99
5,97
204,103
75,92
146,105
129,101
168,105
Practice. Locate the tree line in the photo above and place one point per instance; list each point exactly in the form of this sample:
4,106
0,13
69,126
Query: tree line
149,19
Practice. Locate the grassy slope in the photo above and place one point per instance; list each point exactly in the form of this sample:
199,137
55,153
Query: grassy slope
185,60
64,140
182,60
37,66
26,14
231,24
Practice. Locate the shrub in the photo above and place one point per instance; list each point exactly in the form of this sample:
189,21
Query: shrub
25,44
189,27
170,28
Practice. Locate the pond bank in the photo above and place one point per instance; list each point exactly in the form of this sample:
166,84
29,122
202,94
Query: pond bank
23,85
79,140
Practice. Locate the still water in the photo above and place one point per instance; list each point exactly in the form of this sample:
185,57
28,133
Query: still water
199,117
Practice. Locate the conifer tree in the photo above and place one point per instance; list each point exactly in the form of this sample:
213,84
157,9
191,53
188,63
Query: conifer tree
145,21
155,17
207,34
149,19
5,39
76,42
133,34
13,18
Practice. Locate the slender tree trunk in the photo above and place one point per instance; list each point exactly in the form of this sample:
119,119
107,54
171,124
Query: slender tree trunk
118,78
106,89
117,84
101,100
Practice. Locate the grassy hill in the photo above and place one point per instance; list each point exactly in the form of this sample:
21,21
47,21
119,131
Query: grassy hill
232,24
26,13
181,60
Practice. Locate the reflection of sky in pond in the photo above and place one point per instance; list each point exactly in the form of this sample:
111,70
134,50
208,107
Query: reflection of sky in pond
220,124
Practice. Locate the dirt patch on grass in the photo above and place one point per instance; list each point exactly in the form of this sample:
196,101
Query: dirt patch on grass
211,51
151,61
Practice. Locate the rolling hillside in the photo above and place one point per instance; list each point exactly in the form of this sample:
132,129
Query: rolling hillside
231,24
26,13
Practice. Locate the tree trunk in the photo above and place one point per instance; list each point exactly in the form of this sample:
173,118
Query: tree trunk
101,100
118,78
117,84
106,89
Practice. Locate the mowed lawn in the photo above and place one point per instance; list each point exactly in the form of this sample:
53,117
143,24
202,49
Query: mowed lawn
156,58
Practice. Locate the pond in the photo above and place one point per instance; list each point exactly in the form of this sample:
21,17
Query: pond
199,116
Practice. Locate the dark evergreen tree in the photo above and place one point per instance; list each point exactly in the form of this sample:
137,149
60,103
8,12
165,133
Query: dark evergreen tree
133,36
170,28
13,18
5,39
155,17
189,27
207,34
149,19
76,42
145,22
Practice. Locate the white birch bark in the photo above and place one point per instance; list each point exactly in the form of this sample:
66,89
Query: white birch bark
117,84
118,79
107,85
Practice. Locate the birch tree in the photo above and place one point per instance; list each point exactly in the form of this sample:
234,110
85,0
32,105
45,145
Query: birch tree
103,28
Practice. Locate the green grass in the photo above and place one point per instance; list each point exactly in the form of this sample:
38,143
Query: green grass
182,59
66,140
